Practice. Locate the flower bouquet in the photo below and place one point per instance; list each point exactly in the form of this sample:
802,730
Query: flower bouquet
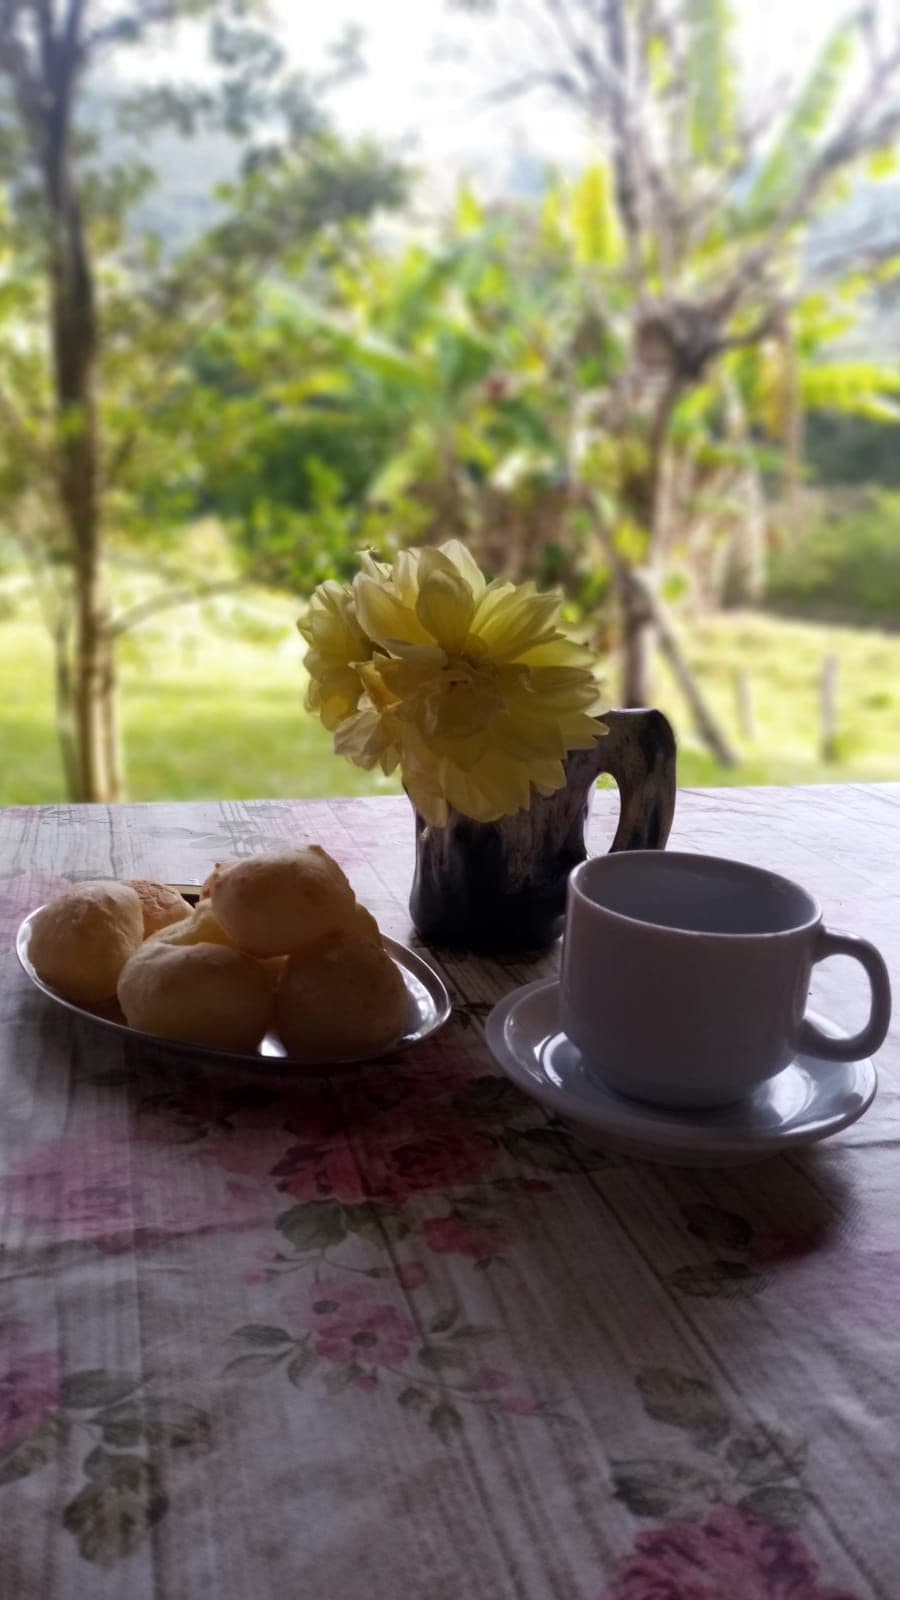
491,713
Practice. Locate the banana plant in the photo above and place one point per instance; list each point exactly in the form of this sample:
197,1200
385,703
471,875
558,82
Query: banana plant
715,198
591,385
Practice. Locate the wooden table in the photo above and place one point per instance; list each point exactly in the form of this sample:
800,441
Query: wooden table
397,1336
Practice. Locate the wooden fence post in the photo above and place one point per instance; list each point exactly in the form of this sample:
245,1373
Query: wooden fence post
743,693
830,668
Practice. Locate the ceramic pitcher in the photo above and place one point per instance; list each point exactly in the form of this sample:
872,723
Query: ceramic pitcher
497,887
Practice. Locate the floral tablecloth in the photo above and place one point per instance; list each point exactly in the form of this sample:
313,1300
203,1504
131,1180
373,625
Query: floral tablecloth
396,1334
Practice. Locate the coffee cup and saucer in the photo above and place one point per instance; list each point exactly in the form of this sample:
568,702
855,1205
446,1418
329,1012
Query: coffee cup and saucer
677,1030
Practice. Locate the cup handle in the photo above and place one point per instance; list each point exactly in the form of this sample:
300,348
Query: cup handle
810,1041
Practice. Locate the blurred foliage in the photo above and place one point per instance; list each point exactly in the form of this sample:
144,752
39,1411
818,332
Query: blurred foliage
464,387
844,560
597,381
107,437
571,391
209,711
429,393
842,450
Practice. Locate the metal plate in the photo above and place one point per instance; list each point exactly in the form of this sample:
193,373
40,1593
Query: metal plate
429,1008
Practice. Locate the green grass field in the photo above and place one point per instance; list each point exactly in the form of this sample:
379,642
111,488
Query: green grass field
212,706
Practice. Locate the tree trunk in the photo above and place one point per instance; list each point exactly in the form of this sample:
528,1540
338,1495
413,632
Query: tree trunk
91,654
652,508
112,741
704,721
639,637
742,576
65,708
74,342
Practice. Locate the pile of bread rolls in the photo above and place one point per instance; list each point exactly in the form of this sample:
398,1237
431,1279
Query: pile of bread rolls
276,941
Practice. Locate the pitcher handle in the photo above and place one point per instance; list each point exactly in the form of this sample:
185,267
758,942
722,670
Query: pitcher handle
639,752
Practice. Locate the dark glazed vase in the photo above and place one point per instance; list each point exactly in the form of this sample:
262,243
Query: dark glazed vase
498,887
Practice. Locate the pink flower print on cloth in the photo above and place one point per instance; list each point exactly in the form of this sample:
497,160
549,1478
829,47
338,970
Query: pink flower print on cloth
29,1384
243,1132
360,1340
443,1067
387,1101
350,1325
97,1185
733,1555
385,1168
410,1275
482,1241
380,1337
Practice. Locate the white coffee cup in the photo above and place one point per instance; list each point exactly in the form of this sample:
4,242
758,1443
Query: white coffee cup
685,977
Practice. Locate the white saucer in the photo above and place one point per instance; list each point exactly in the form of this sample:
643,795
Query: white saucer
811,1099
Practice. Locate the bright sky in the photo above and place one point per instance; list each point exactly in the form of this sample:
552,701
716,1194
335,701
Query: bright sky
420,93
411,92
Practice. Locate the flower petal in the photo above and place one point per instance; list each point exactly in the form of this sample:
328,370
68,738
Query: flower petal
558,651
445,608
515,620
336,644
335,699
466,565
368,739
496,788
383,616
373,568
375,683
405,576
471,687
424,785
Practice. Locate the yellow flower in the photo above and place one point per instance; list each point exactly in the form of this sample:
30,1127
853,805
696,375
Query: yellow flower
337,645
369,737
471,687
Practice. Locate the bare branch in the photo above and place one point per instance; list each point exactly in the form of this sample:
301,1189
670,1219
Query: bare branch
169,600
562,82
45,33
659,465
751,129
623,131
857,251
72,30
849,141
596,73
126,27
769,326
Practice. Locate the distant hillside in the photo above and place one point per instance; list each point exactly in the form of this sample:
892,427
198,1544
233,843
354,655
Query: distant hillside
869,223
183,203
